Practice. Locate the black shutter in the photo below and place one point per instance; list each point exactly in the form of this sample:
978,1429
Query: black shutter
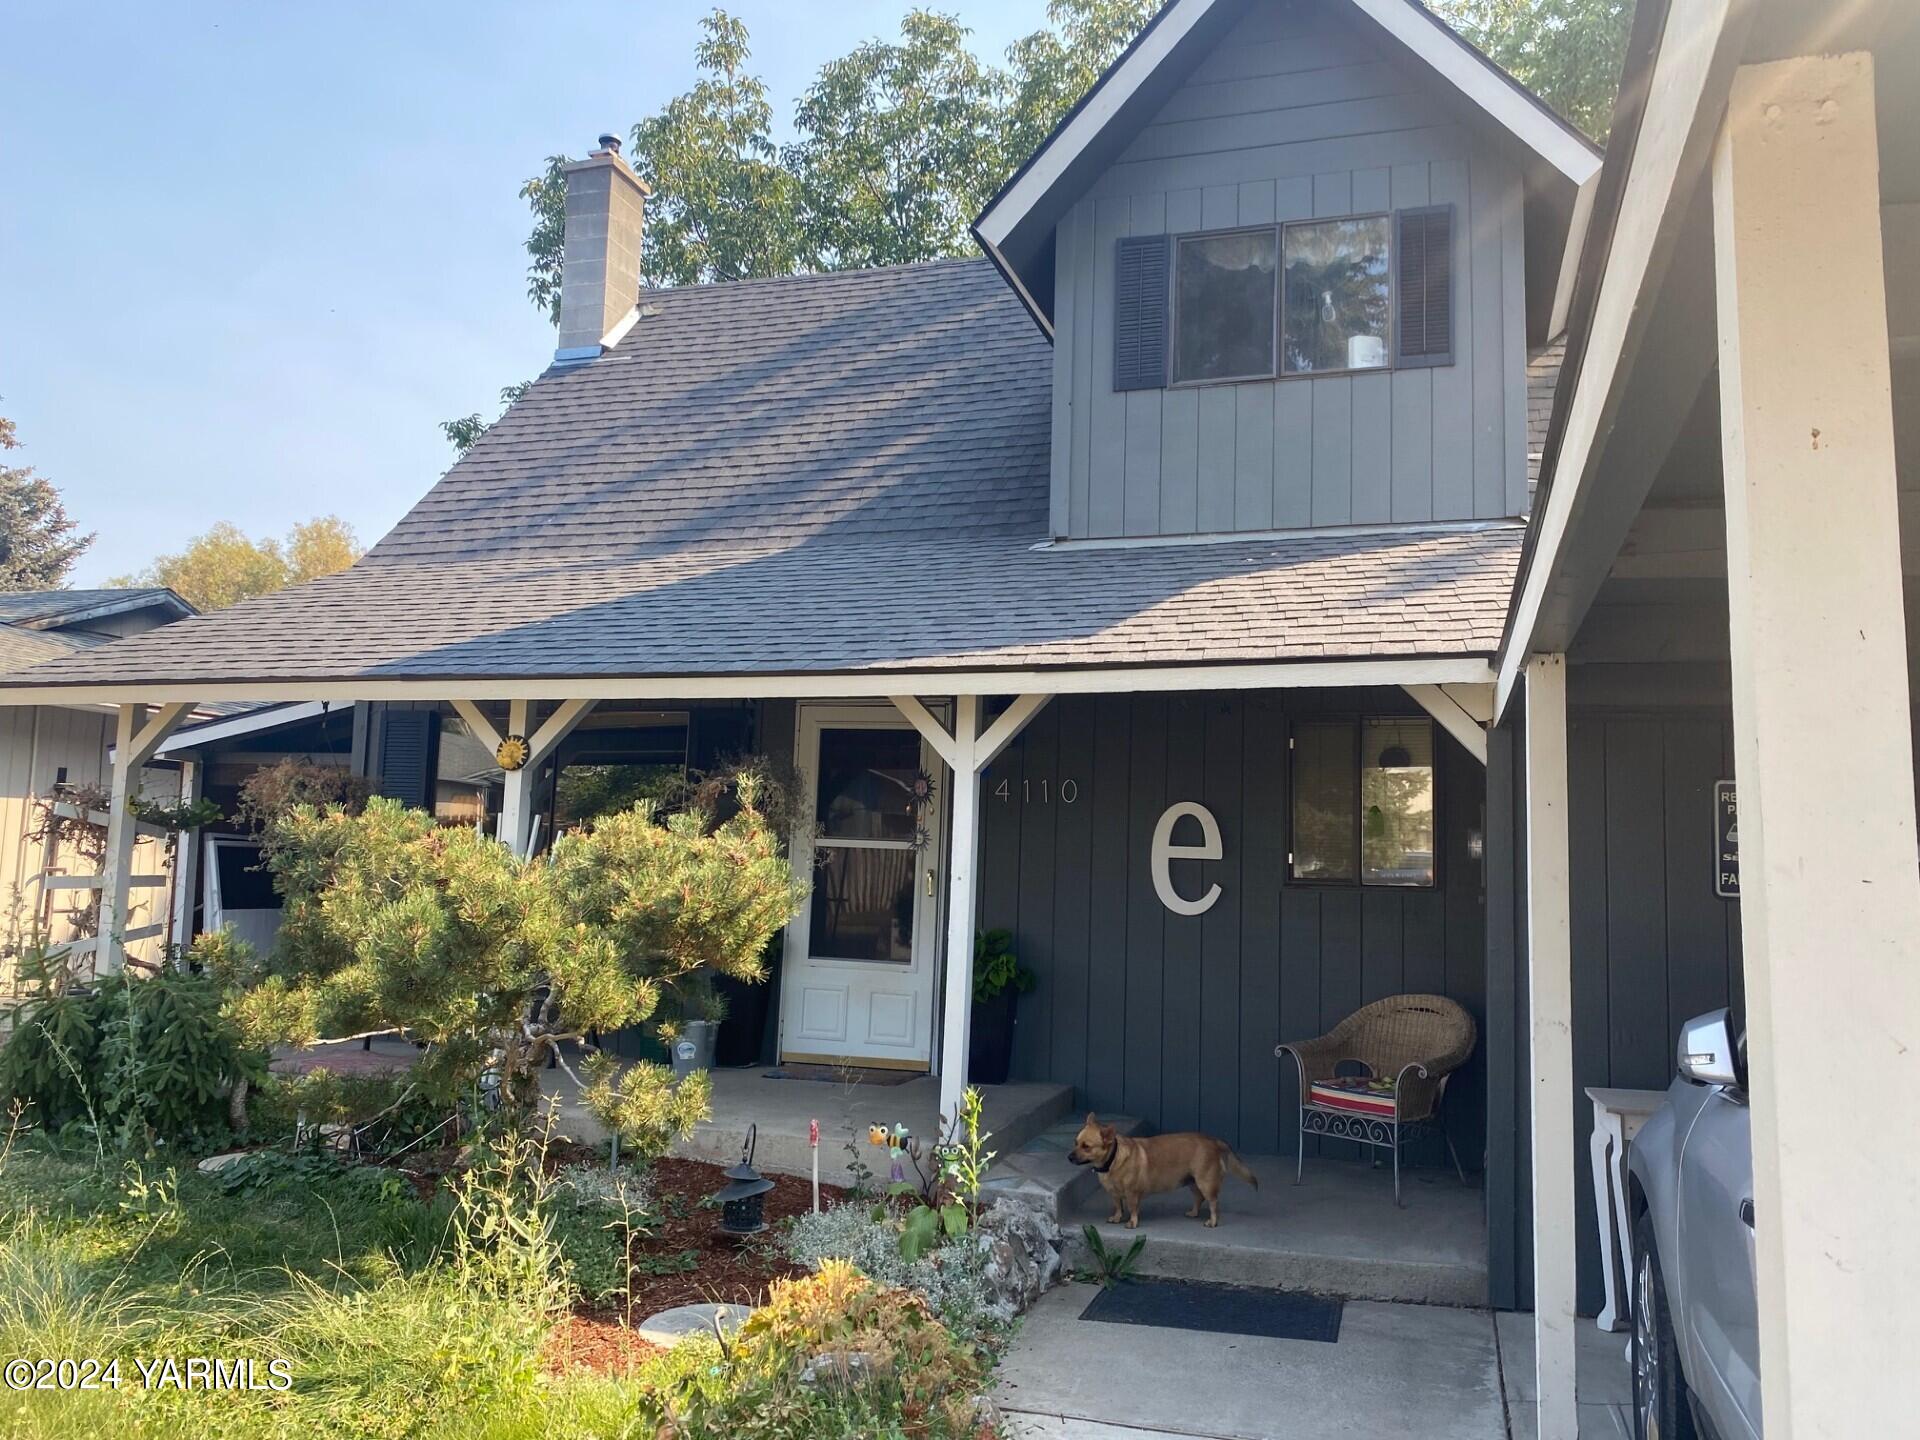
1140,313
1425,277
406,757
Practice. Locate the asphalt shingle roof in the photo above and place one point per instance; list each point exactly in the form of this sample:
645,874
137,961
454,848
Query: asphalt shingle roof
1543,378
820,473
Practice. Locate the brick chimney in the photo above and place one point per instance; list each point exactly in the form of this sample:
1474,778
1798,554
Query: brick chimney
600,280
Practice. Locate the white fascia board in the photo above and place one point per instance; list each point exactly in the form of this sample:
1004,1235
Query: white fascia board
1054,158
1476,77
1676,90
881,684
191,737
1570,256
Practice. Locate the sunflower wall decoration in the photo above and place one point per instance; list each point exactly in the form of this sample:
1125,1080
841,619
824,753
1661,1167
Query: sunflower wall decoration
920,789
513,752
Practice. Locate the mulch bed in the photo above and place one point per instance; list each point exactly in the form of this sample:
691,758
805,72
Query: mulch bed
728,1271
695,1262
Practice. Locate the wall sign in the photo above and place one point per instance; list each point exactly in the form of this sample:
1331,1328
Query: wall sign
1726,841
1165,852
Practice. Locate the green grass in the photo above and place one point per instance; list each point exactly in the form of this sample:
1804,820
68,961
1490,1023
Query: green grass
387,1326
395,1319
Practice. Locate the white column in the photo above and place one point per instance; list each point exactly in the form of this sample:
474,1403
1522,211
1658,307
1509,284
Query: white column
963,868
186,861
1550,1035
1830,902
136,737
516,807
968,751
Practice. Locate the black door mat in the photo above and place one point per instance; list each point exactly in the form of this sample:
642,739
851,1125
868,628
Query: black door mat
1218,1309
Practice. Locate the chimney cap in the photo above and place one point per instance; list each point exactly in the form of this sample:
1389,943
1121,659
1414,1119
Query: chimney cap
610,143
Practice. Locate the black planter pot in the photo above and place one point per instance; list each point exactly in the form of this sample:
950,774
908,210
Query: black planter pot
990,1047
739,1042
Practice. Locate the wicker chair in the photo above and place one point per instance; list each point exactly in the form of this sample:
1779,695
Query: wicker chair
1408,1045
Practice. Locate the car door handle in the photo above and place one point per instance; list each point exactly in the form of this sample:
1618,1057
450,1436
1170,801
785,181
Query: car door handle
1746,1213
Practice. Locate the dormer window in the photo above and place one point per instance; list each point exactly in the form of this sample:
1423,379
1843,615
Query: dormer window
1304,297
1223,305
1339,296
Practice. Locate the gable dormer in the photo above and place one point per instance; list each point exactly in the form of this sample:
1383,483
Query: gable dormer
1293,255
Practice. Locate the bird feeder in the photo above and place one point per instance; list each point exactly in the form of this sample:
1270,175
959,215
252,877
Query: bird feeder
743,1199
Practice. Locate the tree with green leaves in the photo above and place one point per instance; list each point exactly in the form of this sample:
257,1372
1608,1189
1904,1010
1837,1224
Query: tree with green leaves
1568,52
38,543
394,922
901,144
225,565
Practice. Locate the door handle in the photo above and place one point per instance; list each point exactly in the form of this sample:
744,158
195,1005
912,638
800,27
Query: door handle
929,884
1746,1213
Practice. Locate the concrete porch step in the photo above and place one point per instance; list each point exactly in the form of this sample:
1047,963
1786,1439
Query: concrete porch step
1040,1172
1337,1233
1014,1114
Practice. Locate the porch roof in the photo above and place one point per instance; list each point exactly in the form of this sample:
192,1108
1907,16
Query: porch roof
814,475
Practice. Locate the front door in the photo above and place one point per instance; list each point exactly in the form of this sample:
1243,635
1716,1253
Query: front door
861,957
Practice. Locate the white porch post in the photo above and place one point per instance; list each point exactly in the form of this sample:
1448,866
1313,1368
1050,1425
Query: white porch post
516,808
963,865
136,737
1830,901
186,860
1550,1032
967,751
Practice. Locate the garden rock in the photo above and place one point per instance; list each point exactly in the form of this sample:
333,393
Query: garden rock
1020,1246
215,1163
843,1369
670,1327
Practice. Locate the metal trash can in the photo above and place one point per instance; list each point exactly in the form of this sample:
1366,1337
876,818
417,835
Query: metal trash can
693,1048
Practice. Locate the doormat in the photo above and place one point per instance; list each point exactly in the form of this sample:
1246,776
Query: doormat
844,1074
1218,1309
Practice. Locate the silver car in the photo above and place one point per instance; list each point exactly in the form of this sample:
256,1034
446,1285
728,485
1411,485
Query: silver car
1696,1333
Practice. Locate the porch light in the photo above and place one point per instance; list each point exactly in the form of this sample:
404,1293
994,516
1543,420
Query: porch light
743,1199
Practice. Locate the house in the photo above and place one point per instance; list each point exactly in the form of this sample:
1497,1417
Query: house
47,750
1189,545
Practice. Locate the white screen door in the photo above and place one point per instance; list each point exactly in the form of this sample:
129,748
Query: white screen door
861,957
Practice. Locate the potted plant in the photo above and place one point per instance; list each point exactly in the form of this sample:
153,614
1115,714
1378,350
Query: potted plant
999,980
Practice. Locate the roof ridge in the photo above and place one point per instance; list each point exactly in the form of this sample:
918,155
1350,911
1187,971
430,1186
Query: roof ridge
797,276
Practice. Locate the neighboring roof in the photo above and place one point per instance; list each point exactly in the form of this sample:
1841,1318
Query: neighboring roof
21,647
821,473
1543,377
55,609
1015,225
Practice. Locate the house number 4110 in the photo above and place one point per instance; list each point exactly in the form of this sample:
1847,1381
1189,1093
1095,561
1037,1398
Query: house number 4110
1042,790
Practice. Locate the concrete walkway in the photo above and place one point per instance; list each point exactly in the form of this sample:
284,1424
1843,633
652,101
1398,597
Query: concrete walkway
1396,1370
1432,1371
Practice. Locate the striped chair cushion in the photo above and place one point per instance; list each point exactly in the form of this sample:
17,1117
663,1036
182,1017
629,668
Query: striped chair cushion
1362,1094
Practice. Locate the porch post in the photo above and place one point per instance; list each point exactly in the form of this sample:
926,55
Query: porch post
1550,1032
1830,903
963,866
186,861
967,751
136,737
516,806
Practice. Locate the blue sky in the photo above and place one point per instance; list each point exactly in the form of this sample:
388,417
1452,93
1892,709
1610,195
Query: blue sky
250,254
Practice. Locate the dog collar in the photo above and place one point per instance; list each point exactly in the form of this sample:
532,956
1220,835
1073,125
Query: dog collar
1112,1155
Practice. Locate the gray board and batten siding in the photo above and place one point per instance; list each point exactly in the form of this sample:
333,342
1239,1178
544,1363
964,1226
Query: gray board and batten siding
1298,113
1174,1018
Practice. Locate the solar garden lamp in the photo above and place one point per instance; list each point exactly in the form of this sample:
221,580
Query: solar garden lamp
743,1199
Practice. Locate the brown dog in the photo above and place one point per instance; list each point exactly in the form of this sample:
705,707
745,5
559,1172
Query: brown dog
1130,1169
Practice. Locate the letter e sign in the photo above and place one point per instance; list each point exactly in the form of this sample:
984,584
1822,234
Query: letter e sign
1165,852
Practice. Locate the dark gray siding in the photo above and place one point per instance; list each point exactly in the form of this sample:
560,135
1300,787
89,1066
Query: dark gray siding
1652,944
1174,1018
1298,113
